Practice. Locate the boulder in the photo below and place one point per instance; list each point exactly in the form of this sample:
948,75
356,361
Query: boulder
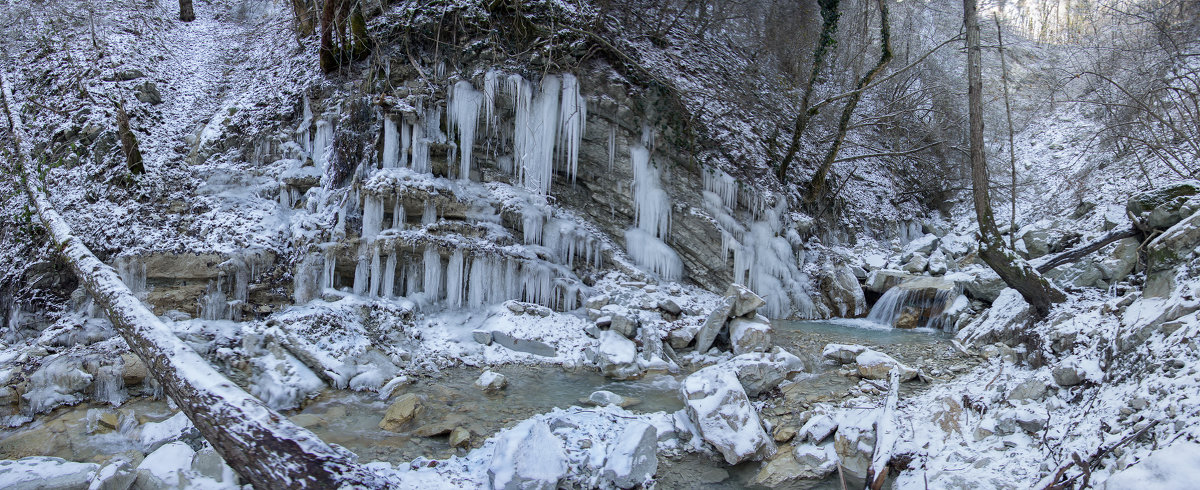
162,468
721,412
938,264
40,472
616,356
1165,253
760,372
176,428
916,264
819,426
1005,320
597,302
1032,389
750,335
148,92
1163,207
879,281
482,336
877,365
118,474
681,336
807,462
854,441
491,381
713,325
400,412
209,464
922,245
460,437
604,397
633,458
842,291
744,300
626,325
133,370
527,457
670,306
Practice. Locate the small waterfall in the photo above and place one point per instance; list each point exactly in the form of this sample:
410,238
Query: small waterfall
914,304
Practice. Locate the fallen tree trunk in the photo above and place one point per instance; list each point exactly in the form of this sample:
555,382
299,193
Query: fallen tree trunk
1081,252
886,435
265,448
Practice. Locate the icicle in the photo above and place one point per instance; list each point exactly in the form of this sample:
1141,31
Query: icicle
389,276
406,134
653,207
398,214
330,271
723,185
420,150
108,385
532,221
362,271
372,220
463,115
650,252
429,215
391,144
535,131
303,131
133,272
573,117
376,272
307,281
454,279
612,146
433,274
214,305
322,144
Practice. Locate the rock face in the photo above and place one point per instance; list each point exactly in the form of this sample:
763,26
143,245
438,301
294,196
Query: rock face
528,457
844,294
39,472
750,335
1167,252
400,412
633,459
1162,208
719,408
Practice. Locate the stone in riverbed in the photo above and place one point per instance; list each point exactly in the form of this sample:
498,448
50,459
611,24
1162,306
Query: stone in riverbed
522,345
616,356
877,365
400,412
603,397
842,353
133,370
722,413
760,372
527,457
805,462
855,440
459,437
39,472
491,381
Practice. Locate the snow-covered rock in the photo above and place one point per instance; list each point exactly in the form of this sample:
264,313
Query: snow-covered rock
616,356
491,381
1006,319
162,468
40,472
529,457
118,474
744,300
175,428
819,426
760,372
873,364
750,334
713,325
855,440
842,291
842,353
633,458
718,406
1174,466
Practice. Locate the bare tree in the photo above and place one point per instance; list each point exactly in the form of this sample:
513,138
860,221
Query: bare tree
186,13
1015,272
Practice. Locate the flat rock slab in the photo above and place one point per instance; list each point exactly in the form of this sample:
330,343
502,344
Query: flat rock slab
534,347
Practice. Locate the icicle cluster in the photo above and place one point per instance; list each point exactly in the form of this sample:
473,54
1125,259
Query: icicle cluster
652,222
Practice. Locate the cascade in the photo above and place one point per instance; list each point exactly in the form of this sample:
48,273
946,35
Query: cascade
454,279
573,117
651,253
372,220
433,274
389,276
391,144
462,111
322,144
916,303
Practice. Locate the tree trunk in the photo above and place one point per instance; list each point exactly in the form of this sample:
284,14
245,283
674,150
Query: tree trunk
305,17
129,144
266,449
328,52
186,13
1081,252
1015,272
829,17
816,188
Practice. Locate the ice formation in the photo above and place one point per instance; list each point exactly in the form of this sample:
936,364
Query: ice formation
462,118
652,222
391,144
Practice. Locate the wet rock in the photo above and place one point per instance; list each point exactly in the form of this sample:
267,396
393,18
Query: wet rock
616,356
842,353
744,300
633,458
784,433
440,428
879,281
528,457
670,306
522,345
720,410
604,321
482,336
603,397
842,291
804,462
306,420
713,325
460,437
40,472
679,338
750,335
877,365
400,412
491,381
109,419
133,370
759,372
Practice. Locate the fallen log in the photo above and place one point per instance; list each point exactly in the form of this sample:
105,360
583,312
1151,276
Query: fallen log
886,435
265,448
1080,252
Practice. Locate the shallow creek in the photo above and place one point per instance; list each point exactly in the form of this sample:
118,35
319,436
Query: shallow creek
451,400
